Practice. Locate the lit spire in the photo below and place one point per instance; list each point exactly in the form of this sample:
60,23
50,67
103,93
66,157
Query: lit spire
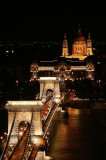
79,30
65,46
89,45
89,35
65,36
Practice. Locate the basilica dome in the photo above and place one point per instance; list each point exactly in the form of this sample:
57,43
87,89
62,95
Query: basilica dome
79,36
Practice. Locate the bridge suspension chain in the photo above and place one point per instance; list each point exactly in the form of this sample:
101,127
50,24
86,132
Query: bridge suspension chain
52,99
24,154
43,91
54,91
36,153
50,121
53,96
2,156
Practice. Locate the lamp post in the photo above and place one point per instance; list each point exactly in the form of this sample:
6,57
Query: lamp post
99,82
17,82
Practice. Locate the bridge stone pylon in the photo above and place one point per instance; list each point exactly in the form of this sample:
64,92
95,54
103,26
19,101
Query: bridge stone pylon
52,83
23,112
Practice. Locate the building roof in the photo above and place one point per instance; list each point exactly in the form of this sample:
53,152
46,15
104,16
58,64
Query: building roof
69,61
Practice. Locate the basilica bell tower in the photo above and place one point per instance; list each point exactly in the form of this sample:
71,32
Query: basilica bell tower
65,47
89,46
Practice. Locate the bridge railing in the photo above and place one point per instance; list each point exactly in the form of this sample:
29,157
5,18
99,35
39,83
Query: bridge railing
8,139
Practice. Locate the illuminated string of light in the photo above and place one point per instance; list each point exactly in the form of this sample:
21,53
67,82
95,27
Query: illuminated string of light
50,121
51,118
50,105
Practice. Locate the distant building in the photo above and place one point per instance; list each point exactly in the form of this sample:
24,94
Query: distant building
80,47
77,66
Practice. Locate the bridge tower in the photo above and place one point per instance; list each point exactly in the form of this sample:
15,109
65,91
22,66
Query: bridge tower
52,83
28,111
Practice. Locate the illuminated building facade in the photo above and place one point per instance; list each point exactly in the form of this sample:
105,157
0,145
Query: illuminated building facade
77,66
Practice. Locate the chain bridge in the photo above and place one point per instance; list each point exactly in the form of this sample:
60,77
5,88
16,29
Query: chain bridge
28,123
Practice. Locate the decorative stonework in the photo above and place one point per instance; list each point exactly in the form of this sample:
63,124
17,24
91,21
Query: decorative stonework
50,83
46,69
24,110
78,67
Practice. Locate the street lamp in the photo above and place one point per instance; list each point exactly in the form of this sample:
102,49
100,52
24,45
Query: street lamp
99,82
17,82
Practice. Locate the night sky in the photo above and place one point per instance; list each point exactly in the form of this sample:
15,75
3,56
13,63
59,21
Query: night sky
42,20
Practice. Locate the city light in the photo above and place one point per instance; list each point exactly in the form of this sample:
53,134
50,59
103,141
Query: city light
1,137
20,133
17,82
49,78
5,133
